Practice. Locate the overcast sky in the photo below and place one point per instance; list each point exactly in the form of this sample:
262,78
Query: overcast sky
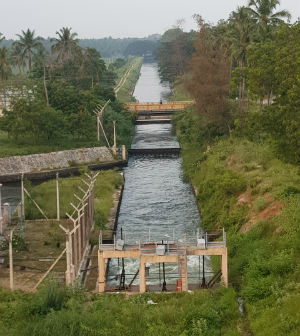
116,18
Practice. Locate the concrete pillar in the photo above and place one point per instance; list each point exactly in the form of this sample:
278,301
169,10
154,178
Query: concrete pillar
224,268
6,218
183,272
123,152
142,276
19,210
101,272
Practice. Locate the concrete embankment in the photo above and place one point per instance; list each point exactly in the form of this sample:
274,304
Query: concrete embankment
45,165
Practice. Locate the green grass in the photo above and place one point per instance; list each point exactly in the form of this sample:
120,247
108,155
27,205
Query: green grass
263,262
57,311
178,92
125,93
45,196
26,146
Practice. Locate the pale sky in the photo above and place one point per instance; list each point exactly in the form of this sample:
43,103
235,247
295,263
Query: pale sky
116,18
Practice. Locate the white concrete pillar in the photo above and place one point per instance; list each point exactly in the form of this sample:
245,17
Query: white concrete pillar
6,219
101,273
123,152
142,276
224,268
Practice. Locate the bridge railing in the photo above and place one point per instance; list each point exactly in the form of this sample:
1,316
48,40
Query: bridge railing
174,241
157,106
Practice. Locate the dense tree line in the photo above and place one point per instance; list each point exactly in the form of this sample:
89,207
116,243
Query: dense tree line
108,47
53,94
244,76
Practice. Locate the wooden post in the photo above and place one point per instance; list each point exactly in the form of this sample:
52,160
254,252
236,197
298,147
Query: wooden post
11,268
57,199
142,275
22,197
224,268
123,152
101,271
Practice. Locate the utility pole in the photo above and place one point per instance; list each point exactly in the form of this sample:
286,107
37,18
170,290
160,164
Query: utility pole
45,86
57,198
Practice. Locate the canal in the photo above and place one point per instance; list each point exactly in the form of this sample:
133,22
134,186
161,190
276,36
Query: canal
156,201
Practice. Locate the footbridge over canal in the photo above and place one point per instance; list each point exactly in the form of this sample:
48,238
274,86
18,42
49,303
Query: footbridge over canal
157,112
149,250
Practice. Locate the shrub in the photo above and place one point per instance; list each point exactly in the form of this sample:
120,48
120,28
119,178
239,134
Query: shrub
259,204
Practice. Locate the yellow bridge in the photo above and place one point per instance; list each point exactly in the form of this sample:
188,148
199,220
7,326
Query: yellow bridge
164,107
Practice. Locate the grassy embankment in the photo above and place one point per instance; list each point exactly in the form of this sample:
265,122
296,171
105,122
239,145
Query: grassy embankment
124,95
243,187
23,147
45,196
57,311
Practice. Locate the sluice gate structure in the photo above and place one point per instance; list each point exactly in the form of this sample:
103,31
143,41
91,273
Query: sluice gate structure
147,251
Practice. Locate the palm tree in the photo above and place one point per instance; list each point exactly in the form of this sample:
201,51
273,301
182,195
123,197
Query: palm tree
65,45
27,43
16,57
262,11
240,34
4,67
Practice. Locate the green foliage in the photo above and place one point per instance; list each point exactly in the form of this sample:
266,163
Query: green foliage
259,204
105,185
57,311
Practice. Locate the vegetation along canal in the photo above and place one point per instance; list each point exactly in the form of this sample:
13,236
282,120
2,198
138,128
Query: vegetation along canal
156,201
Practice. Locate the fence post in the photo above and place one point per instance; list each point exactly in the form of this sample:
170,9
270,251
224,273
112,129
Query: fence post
11,269
5,214
68,258
22,197
1,219
114,148
57,199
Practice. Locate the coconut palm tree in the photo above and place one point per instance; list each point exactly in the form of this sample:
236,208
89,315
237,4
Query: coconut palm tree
65,45
4,67
240,34
264,15
17,58
27,44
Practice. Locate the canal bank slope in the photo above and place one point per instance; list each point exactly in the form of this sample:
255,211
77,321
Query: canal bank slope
243,187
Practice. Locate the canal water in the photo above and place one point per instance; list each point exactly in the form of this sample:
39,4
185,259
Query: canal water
156,202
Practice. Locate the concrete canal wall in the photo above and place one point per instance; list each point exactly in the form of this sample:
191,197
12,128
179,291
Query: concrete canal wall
35,163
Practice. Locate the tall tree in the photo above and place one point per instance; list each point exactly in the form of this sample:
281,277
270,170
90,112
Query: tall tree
208,80
28,43
17,58
65,45
4,67
265,17
240,28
